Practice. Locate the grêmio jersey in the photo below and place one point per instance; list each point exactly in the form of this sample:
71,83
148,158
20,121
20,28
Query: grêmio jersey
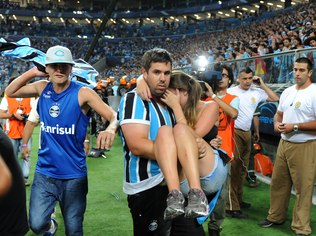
141,173
63,130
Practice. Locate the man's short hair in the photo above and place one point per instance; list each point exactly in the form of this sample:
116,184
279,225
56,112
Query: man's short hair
155,55
306,61
246,70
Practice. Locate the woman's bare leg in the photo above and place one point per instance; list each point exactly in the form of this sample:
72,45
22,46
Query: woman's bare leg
166,156
188,154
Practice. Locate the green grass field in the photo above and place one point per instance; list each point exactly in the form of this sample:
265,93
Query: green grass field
108,214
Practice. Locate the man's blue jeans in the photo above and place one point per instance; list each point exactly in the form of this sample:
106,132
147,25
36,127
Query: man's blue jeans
71,195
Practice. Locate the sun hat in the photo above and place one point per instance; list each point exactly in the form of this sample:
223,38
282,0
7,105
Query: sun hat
59,54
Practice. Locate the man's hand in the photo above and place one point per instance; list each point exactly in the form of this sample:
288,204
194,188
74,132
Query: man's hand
142,89
284,128
216,142
25,153
257,80
38,73
210,91
18,116
256,137
278,127
86,145
201,147
105,139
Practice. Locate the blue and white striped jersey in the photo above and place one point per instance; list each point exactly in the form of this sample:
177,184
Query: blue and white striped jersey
141,173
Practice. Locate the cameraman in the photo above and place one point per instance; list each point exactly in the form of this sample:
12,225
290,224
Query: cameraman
228,111
15,112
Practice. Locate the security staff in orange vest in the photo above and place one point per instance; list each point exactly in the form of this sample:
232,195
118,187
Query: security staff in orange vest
15,112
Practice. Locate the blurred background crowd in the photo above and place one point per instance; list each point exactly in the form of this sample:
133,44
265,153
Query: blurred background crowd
216,40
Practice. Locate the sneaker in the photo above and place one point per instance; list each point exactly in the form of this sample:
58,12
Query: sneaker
244,205
53,215
267,223
197,204
175,205
26,182
53,228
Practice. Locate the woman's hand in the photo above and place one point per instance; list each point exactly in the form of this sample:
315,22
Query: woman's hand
170,99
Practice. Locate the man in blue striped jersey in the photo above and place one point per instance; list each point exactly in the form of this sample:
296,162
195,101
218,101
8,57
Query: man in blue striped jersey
141,123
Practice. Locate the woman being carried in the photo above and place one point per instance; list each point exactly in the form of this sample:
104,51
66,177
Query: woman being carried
189,164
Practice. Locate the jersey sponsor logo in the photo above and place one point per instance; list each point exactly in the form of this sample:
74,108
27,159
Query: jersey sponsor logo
48,94
54,111
57,130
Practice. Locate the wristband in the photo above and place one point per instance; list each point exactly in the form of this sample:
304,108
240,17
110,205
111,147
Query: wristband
214,96
87,141
24,144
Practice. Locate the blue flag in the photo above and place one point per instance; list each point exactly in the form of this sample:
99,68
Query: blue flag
81,71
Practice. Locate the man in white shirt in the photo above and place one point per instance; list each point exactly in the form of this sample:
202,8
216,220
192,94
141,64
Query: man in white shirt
295,163
251,91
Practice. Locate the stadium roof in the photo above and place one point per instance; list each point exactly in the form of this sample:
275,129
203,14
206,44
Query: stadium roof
132,12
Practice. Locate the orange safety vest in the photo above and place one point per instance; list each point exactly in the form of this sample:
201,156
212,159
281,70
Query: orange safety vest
226,127
14,127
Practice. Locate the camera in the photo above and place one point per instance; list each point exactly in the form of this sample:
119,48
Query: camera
25,116
212,77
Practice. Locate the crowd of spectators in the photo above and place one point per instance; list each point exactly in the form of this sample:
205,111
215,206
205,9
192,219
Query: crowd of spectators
267,35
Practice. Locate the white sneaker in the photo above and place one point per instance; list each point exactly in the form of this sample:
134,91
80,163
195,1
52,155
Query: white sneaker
53,228
53,215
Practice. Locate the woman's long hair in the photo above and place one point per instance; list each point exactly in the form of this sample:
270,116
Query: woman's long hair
182,81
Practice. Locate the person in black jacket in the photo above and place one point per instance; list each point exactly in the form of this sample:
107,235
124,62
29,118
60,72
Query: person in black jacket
13,216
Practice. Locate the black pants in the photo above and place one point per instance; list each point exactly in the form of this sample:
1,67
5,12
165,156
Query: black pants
147,210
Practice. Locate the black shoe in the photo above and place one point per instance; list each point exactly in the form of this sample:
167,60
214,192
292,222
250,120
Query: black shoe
213,232
236,214
252,183
267,223
244,205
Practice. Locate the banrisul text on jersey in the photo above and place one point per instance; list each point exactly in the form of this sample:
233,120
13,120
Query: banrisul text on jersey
57,130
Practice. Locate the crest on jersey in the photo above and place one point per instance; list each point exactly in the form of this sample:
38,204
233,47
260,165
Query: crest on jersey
54,111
